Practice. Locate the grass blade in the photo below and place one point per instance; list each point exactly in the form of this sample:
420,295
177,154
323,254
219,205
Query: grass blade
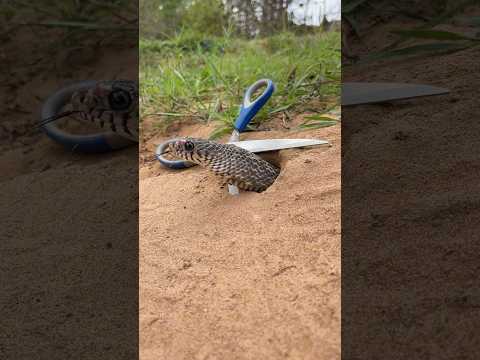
82,25
317,121
417,50
280,109
432,34
220,131
318,124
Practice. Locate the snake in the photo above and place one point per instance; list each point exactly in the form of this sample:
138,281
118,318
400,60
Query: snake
113,105
234,165
109,104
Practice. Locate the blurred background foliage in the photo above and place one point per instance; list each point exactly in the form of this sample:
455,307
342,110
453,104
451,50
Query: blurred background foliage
198,57
249,18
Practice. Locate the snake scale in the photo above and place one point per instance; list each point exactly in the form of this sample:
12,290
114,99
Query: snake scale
113,105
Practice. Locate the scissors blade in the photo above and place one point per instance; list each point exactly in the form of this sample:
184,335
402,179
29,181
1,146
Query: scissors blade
257,146
355,93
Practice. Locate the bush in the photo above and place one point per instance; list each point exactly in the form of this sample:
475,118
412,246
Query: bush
205,17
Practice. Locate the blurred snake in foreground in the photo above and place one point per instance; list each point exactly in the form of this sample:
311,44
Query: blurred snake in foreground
113,105
110,105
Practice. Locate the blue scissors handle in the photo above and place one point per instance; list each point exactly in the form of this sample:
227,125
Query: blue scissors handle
172,164
250,108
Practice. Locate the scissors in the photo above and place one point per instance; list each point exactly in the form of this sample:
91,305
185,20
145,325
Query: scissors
248,109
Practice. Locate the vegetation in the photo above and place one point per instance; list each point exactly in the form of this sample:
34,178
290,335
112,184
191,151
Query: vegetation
163,18
205,79
200,68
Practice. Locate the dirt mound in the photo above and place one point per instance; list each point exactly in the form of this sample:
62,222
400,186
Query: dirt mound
249,277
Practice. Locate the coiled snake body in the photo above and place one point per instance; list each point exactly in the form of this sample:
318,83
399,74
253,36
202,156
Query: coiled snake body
113,105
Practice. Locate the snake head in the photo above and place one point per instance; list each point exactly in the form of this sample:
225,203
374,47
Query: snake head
191,149
114,95
182,148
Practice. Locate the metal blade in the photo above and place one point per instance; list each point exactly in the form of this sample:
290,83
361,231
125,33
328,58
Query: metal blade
276,144
355,93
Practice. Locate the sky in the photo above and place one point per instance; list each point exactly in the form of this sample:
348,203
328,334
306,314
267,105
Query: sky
312,11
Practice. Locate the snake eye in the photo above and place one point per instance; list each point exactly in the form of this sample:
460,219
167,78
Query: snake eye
119,100
189,145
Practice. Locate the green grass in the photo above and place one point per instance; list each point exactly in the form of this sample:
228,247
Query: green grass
189,77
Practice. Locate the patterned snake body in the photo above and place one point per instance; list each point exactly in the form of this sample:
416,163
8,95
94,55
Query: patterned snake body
236,166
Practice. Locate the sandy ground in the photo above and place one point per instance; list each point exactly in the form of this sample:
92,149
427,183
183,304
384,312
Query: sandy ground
410,210
249,277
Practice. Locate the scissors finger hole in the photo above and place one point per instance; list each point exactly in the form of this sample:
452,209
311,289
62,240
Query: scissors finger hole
261,89
166,160
257,93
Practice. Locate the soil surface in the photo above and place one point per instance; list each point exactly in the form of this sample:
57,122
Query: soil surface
250,277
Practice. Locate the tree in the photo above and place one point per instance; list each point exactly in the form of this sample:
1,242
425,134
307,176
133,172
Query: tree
258,17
